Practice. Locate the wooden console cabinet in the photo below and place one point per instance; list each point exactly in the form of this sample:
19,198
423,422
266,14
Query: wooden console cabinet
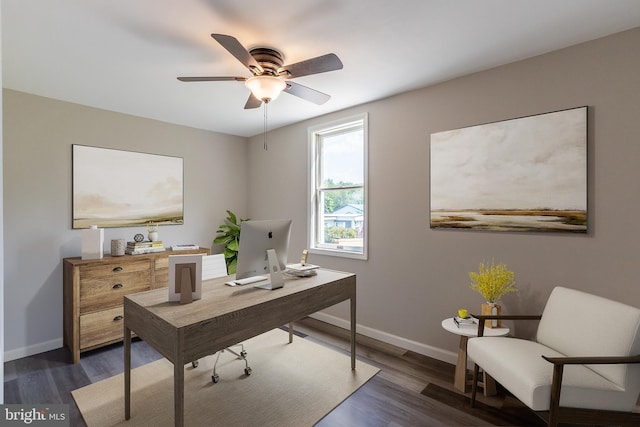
93,292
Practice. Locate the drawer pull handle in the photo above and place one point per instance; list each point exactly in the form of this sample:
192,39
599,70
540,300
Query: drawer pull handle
117,269
117,286
118,318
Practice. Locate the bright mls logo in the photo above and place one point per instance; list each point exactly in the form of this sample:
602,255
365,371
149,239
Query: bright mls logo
37,415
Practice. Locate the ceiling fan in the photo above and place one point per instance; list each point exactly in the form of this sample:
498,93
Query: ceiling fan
270,76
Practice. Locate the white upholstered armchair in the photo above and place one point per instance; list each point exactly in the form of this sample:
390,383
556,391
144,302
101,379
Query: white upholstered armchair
583,366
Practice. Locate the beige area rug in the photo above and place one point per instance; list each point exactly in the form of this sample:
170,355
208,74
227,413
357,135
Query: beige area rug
290,385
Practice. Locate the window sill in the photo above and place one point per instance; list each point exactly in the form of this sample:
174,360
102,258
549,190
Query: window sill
338,253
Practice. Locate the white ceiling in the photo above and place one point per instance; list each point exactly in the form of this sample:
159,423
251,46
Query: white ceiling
125,55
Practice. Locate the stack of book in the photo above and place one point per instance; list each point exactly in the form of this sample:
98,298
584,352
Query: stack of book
465,321
146,247
301,270
184,247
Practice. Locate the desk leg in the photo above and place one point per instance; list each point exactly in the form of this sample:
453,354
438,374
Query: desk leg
127,372
290,332
178,391
353,331
460,377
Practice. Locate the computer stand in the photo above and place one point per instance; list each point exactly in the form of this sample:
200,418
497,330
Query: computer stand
277,280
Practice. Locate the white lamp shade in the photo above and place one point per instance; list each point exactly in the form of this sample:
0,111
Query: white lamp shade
265,88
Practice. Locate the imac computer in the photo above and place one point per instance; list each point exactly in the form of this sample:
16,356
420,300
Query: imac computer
263,250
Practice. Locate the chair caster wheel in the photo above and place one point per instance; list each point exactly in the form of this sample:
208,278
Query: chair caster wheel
215,378
247,371
194,364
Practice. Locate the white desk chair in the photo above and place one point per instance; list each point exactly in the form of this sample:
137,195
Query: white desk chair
214,266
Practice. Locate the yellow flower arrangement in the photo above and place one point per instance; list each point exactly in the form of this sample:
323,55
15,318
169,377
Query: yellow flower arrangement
493,281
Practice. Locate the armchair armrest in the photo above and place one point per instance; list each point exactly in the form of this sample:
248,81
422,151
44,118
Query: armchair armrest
592,360
558,369
481,318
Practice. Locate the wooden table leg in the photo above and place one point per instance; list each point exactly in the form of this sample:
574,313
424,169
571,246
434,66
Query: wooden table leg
127,372
178,392
353,331
290,332
489,385
460,381
178,380
460,377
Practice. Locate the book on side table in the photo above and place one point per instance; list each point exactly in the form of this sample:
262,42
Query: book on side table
465,321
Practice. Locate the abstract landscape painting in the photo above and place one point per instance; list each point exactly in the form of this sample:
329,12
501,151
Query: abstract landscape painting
115,188
525,174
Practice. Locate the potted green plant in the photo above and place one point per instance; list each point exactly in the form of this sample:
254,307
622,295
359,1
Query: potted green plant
229,236
493,281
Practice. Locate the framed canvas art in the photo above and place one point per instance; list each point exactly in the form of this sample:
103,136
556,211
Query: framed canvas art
524,174
116,188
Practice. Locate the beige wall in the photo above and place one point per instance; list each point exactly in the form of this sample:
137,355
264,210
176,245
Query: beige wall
415,276
38,134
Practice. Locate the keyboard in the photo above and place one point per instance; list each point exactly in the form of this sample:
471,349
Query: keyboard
246,281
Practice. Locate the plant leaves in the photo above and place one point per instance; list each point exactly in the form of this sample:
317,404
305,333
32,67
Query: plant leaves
233,245
231,217
229,236
231,268
221,240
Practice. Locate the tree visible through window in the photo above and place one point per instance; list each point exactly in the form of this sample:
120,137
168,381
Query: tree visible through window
338,174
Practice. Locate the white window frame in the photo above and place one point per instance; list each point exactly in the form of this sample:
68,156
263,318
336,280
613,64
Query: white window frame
314,133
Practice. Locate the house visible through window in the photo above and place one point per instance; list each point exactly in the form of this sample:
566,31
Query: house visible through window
338,180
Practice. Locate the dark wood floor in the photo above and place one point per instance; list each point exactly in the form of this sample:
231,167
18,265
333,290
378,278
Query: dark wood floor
410,389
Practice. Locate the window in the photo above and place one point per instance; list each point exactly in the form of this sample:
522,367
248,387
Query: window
338,188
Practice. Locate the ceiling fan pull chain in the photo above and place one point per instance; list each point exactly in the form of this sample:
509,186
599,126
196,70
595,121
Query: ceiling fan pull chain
265,126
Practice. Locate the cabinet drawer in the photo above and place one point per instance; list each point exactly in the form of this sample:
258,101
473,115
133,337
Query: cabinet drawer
99,270
161,274
105,293
161,278
100,290
101,327
162,263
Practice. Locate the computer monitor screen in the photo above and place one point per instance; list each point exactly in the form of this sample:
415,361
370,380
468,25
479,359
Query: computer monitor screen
256,237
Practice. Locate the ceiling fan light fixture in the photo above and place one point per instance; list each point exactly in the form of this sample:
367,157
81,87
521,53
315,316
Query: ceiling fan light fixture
265,88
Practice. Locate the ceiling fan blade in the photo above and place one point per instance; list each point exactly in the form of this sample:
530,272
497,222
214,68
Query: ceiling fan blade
307,93
319,64
252,102
236,49
211,79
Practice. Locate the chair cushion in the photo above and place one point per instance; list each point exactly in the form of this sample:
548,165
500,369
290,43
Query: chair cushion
518,365
579,324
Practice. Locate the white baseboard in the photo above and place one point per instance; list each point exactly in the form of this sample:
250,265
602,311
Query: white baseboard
19,353
426,350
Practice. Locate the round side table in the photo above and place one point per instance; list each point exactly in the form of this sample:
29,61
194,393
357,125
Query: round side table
465,331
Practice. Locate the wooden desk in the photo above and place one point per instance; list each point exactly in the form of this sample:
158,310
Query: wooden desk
223,317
